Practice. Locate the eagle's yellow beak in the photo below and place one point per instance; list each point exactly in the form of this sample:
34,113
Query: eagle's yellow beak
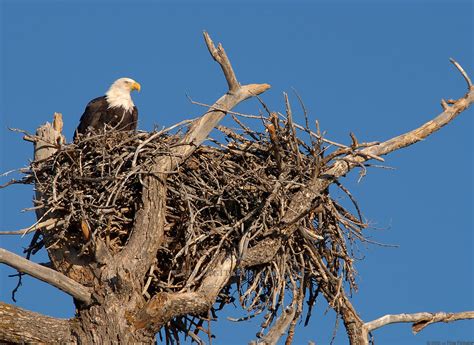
136,86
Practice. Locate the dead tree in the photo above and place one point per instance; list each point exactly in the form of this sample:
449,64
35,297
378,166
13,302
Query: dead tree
154,232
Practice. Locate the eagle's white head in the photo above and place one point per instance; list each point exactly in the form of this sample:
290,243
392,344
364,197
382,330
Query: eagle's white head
118,94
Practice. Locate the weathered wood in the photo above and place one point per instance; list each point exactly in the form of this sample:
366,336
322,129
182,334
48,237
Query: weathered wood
280,327
47,275
419,321
49,138
22,326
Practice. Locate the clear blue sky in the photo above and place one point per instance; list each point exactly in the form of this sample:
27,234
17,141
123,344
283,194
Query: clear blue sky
371,68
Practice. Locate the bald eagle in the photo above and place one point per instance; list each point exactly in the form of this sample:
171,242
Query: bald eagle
115,110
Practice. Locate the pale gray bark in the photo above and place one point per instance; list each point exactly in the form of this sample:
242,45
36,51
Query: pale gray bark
47,275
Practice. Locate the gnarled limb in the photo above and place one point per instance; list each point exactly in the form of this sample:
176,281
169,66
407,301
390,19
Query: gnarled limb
18,325
47,275
449,113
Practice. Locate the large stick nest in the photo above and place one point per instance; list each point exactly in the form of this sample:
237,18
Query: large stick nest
228,196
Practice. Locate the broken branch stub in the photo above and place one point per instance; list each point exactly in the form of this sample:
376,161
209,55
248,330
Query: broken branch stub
49,138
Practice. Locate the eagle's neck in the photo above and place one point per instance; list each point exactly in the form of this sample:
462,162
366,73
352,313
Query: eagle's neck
119,98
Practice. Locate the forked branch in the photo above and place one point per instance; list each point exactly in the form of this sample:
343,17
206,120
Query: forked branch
219,55
401,141
201,128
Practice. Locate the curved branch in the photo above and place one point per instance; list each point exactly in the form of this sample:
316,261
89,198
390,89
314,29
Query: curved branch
420,133
343,166
47,275
165,306
18,325
280,327
463,73
419,320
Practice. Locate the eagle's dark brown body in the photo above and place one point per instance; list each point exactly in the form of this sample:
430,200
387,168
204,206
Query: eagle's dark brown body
98,116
